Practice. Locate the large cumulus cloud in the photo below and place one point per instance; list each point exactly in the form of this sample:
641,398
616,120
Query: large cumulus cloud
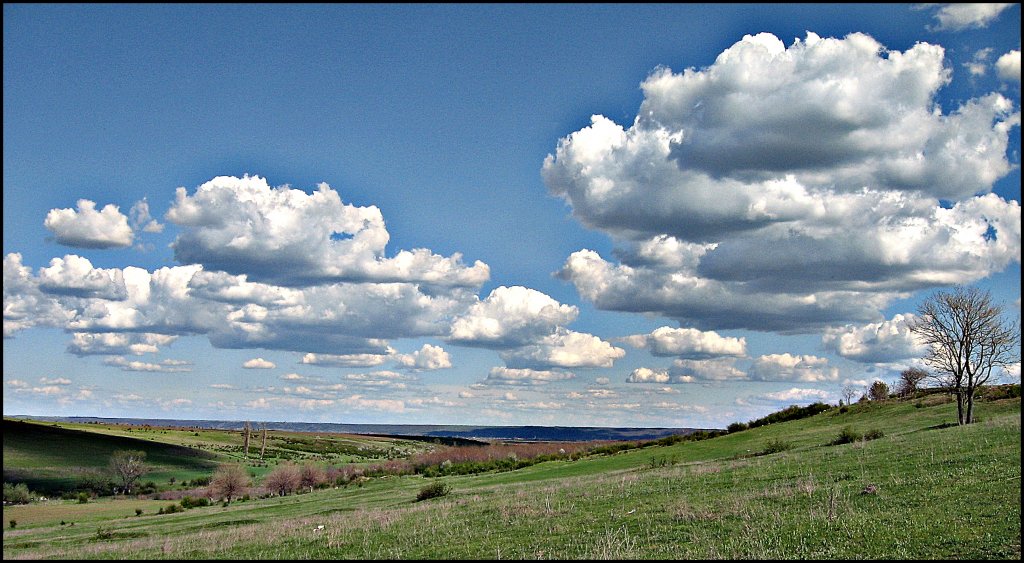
790,188
287,237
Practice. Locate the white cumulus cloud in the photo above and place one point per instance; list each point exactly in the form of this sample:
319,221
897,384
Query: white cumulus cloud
1008,66
287,237
882,342
788,367
511,316
428,357
258,363
88,228
957,17
724,218
511,376
564,349
688,343
798,395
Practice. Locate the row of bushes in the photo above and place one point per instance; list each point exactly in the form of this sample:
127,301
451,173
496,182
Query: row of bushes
792,412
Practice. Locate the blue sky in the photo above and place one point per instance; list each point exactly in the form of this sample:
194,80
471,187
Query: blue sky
609,215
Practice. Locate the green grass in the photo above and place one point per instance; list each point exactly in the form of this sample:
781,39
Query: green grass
920,491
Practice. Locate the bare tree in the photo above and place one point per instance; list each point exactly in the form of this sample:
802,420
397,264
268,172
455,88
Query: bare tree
311,476
910,380
128,466
284,479
245,445
263,447
229,482
849,392
967,337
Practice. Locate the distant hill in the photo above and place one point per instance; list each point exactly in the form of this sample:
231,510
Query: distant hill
55,459
534,433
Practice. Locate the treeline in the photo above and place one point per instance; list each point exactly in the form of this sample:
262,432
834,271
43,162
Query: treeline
792,412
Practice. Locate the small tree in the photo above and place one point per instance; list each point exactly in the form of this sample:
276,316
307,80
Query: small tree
284,479
128,466
229,482
910,380
966,337
878,391
311,476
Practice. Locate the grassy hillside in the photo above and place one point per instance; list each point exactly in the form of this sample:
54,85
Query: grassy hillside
50,458
55,457
923,489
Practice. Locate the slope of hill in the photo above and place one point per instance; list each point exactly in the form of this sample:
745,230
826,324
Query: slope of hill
922,488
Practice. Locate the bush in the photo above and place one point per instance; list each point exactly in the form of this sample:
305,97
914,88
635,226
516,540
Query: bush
774,446
14,524
17,494
433,490
189,502
736,427
83,497
847,436
138,512
874,434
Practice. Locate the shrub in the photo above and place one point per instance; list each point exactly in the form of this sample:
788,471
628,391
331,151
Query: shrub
17,494
83,497
736,427
433,490
847,436
284,479
874,434
775,446
138,512
171,509
14,524
190,502
229,482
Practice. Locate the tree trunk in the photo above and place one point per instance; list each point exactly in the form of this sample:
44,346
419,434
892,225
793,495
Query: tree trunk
970,406
960,407
263,448
245,446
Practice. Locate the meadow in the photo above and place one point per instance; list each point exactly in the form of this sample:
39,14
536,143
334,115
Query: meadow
921,488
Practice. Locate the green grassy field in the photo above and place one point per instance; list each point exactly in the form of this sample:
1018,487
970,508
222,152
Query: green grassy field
922,490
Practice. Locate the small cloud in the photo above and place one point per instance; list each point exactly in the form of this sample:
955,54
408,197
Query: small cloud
292,377
957,17
426,358
510,376
55,381
165,366
1008,66
798,395
259,363
141,220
